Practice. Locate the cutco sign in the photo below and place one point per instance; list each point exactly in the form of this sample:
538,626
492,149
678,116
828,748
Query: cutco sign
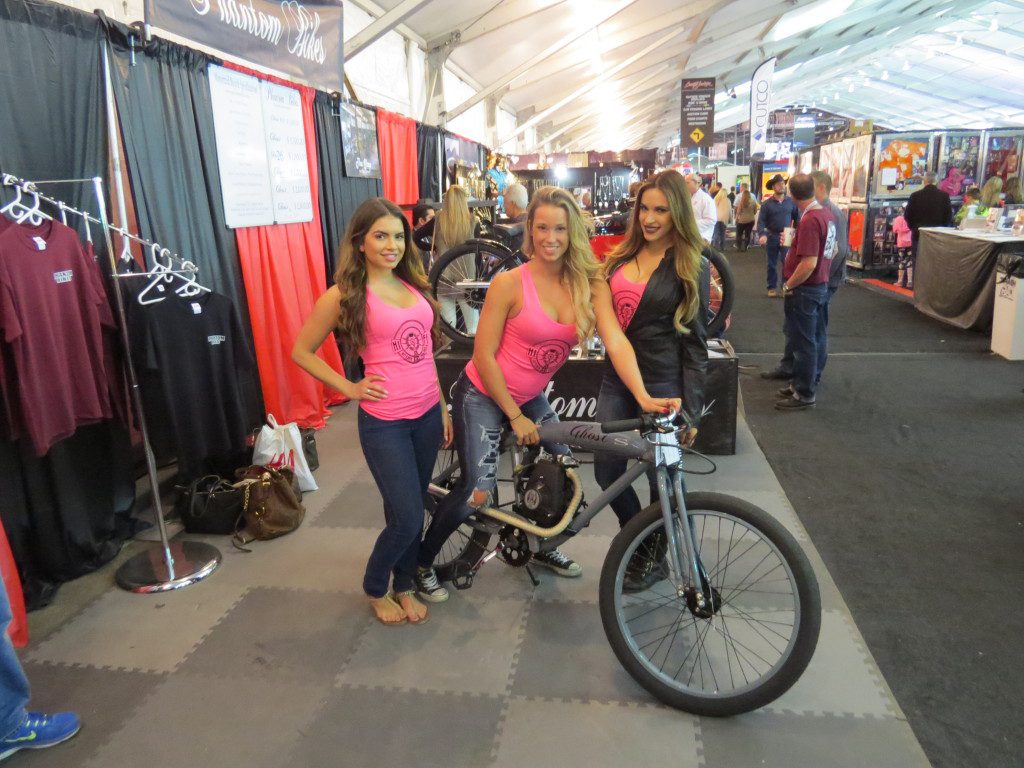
760,106
302,39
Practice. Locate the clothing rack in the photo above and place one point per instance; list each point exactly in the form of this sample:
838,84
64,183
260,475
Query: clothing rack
188,561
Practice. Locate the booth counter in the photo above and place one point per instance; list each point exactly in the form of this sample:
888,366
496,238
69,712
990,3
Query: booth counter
955,273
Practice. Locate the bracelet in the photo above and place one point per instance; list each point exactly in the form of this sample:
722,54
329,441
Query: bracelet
515,417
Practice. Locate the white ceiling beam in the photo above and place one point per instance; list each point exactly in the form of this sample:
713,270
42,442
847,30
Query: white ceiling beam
381,26
653,82
580,140
532,62
497,19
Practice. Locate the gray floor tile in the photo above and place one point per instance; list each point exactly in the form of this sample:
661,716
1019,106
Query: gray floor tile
295,635
198,720
565,655
374,728
762,740
589,552
357,505
594,735
104,699
468,646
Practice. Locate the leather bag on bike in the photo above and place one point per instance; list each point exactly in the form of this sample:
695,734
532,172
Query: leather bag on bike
272,504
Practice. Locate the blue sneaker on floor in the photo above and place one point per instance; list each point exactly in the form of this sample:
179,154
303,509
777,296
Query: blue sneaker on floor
38,731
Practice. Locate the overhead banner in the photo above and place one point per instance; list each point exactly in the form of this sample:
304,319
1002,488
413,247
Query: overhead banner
698,115
760,106
301,39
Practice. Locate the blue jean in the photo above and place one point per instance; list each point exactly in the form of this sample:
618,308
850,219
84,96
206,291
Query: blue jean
400,455
718,238
614,402
806,332
787,357
13,684
774,251
478,423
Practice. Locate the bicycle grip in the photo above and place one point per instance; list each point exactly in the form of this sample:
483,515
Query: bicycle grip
621,425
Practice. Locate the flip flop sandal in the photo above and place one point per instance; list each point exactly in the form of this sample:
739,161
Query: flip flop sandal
386,623
412,593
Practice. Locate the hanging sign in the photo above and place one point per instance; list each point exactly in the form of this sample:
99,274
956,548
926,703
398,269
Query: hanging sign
301,39
761,106
261,150
698,112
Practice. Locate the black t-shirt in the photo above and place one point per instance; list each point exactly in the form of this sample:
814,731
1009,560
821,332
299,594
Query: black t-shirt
190,354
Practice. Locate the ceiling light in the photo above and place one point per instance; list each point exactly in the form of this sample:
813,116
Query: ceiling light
959,40
994,25
885,74
850,89
795,22
906,66
825,100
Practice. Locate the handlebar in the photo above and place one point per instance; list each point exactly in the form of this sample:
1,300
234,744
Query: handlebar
649,422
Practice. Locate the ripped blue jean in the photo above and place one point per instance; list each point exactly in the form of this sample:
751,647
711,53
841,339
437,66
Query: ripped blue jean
478,423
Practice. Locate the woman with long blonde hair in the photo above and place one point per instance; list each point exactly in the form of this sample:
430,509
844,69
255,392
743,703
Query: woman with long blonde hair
454,226
991,193
532,317
651,315
382,309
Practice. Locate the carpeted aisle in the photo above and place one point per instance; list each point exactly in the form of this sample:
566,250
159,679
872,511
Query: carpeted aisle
909,476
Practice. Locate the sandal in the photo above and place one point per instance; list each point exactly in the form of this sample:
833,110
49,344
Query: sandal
411,594
387,602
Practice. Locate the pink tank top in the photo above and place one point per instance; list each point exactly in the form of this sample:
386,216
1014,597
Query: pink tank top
399,348
532,347
626,296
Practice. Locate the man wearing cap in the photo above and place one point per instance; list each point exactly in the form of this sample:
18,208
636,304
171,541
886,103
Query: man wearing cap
777,213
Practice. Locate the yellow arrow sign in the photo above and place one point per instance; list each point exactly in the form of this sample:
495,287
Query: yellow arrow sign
697,134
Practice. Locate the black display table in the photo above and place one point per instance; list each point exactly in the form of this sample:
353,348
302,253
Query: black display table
573,392
955,274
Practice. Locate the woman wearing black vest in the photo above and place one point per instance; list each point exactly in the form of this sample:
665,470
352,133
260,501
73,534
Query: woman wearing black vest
651,315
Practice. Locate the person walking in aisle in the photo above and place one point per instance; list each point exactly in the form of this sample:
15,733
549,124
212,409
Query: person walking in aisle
746,214
703,206
381,307
778,213
454,226
904,242
928,207
650,316
532,317
805,275
22,729
723,211
836,277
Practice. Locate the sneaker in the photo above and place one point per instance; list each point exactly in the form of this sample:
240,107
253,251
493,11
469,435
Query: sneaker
428,587
38,731
559,563
772,293
777,374
793,403
786,391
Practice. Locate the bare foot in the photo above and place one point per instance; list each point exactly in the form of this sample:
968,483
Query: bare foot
387,610
415,611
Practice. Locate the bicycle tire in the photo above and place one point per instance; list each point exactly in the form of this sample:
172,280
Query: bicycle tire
723,283
452,266
738,603
467,544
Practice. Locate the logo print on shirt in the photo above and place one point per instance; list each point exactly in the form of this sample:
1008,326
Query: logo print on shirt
411,341
625,305
831,244
216,340
547,356
63,277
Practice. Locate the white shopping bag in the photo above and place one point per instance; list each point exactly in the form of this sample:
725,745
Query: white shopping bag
280,445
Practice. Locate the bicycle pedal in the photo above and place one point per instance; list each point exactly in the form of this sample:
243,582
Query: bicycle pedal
462,581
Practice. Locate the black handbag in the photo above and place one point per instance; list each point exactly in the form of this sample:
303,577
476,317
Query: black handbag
210,504
309,448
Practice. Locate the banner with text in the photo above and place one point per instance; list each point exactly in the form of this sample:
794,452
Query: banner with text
300,39
760,106
698,119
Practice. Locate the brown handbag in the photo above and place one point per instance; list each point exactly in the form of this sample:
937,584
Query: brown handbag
272,504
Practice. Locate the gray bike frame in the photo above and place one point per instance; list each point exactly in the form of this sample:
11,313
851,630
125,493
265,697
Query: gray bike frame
661,452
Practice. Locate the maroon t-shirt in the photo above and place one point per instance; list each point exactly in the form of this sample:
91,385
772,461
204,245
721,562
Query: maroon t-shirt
815,236
52,311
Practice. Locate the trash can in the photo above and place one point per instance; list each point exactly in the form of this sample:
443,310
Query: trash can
1008,315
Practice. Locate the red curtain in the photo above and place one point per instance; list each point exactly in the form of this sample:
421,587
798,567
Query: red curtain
284,273
396,137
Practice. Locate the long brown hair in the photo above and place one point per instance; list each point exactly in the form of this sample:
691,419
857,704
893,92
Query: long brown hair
454,224
578,263
687,242
351,273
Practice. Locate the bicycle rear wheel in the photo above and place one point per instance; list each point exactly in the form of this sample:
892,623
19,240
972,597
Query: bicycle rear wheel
467,544
459,280
753,644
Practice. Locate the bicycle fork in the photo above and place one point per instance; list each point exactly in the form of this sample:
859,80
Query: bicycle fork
689,547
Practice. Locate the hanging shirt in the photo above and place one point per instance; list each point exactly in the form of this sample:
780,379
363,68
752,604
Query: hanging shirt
52,313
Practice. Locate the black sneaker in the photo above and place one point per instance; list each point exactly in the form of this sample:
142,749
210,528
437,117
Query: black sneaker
786,391
647,565
559,563
793,403
777,374
428,587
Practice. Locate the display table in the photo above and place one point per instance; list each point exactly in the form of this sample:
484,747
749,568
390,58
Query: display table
955,274
573,392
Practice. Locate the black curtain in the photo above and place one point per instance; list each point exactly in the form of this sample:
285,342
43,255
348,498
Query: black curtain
53,123
166,116
428,148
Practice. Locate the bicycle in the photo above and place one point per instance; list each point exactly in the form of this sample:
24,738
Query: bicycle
713,568
461,276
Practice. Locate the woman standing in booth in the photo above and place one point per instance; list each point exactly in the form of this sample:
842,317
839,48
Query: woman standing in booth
381,308
453,226
532,317
651,317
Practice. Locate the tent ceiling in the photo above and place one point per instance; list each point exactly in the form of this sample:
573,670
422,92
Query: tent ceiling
604,74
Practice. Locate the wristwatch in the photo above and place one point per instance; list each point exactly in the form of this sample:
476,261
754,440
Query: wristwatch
785,288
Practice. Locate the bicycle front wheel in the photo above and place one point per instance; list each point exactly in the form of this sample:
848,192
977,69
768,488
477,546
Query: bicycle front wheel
757,636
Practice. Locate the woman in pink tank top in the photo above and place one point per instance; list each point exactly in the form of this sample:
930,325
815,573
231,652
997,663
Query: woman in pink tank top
531,319
380,307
